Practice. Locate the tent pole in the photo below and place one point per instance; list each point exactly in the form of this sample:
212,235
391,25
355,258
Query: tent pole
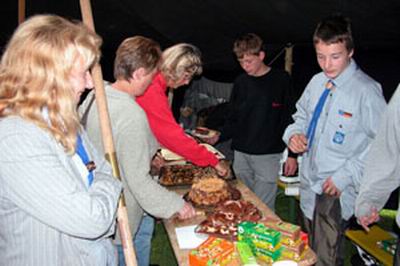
105,125
21,11
289,58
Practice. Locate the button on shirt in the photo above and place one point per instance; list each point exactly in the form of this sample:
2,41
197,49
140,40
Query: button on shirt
346,127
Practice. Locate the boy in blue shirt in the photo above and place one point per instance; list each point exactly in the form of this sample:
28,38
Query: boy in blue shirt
335,122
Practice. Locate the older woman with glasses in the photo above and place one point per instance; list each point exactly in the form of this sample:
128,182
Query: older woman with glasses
179,64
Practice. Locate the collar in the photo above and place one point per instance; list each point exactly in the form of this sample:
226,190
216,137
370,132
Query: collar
159,79
347,73
115,92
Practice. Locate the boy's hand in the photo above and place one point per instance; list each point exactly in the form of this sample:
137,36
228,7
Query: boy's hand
290,167
330,188
365,221
298,143
186,212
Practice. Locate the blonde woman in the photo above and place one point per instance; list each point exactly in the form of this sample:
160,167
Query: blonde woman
179,64
54,209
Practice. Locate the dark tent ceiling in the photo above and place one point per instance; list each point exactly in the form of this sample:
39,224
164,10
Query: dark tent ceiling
212,25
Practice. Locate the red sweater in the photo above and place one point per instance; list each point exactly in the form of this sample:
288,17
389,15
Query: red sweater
168,133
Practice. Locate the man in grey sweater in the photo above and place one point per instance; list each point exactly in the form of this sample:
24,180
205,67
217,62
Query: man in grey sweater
134,67
382,169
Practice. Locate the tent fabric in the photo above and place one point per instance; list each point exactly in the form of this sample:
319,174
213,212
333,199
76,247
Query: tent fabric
214,25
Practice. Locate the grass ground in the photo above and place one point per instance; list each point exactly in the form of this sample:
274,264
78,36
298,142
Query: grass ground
163,255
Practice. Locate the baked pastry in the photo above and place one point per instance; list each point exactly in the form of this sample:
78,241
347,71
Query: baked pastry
225,218
209,191
176,175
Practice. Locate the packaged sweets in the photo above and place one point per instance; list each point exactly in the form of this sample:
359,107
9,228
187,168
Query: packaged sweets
245,254
268,255
388,245
293,251
304,237
260,235
214,251
290,232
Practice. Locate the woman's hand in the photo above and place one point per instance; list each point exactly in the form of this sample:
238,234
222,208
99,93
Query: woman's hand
223,168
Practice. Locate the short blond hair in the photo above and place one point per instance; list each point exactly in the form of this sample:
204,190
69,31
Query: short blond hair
35,73
179,60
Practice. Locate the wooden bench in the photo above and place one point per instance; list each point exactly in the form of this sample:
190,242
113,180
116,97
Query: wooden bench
368,242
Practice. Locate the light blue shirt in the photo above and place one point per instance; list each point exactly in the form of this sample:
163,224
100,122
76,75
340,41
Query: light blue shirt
346,127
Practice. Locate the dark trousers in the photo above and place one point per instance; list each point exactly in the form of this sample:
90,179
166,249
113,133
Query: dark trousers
326,231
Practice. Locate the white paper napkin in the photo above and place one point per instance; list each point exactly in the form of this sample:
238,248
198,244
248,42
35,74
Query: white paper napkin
187,238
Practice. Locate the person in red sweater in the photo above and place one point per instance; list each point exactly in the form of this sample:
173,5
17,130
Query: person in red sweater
179,64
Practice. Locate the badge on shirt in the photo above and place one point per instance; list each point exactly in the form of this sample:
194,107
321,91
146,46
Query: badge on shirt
276,105
345,114
338,138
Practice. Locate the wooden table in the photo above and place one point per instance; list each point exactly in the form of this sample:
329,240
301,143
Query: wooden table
182,254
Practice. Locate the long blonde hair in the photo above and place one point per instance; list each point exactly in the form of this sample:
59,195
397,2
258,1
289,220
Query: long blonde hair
35,73
179,60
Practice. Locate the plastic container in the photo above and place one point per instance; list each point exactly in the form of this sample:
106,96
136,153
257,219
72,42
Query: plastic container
285,263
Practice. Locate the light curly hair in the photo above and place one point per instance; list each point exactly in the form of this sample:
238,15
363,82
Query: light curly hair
181,60
35,73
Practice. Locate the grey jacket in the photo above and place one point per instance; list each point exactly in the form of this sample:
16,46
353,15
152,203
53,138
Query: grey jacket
382,170
48,214
135,146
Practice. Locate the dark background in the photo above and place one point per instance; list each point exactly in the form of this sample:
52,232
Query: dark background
213,25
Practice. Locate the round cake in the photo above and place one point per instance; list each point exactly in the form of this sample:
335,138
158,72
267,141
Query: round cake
209,191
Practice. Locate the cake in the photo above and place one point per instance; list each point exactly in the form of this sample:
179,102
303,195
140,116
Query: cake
175,175
225,218
209,191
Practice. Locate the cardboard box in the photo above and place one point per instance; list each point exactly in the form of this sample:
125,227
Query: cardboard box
214,251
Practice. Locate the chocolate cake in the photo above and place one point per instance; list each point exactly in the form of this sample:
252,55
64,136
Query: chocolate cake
225,218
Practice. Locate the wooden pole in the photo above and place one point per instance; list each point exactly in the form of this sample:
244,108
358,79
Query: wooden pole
289,58
21,11
105,125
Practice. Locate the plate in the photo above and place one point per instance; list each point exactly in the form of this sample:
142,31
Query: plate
204,133
223,221
172,156
213,150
